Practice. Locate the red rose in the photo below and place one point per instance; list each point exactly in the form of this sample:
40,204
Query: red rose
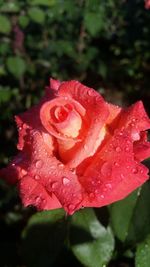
76,150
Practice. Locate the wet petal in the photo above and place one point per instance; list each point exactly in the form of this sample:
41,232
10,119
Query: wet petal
114,173
142,147
33,193
52,175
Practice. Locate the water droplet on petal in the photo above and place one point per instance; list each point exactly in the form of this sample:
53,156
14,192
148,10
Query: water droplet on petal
89,92
54,185
106,169
127,149
52,167
96,191
116,164
24,172
102,196
60,165
109,186
118,149
39,164
38,199
65,181
24,126
135,170
85,147
37,177
135,136
73,171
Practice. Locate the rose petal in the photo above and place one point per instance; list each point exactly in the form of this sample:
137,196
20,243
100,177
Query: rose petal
142,147
50,125
114,173
16,169
54,176
97,113
54,84
33,193
134,118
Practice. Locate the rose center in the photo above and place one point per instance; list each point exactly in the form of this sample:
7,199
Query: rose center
60,113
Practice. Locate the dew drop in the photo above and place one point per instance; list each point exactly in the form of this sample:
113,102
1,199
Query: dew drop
60,165
24,126
96,191
54,185
85,147
24,172
106,169
116,164
52,167
73,170
118,149
89,92
37,177
39,164
134,170
109,186
135,136
65,181
102,196
38,199
141,171
127,149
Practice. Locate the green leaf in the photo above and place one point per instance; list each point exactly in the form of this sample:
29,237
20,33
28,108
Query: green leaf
91,242
37,15
121,215
42,2
103,69
10,7
43,237
16,65
93,23
131,217
4,48
23,21
5,25
142,257
5,94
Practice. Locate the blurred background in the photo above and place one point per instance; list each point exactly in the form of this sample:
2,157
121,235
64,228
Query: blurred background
103,44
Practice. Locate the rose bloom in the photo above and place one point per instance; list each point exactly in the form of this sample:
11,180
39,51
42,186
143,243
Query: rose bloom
77,150
147,4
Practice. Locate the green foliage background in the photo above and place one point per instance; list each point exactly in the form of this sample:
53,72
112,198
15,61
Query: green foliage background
106,45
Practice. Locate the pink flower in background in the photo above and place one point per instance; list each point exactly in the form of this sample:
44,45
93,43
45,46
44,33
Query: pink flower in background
147,4
77,150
